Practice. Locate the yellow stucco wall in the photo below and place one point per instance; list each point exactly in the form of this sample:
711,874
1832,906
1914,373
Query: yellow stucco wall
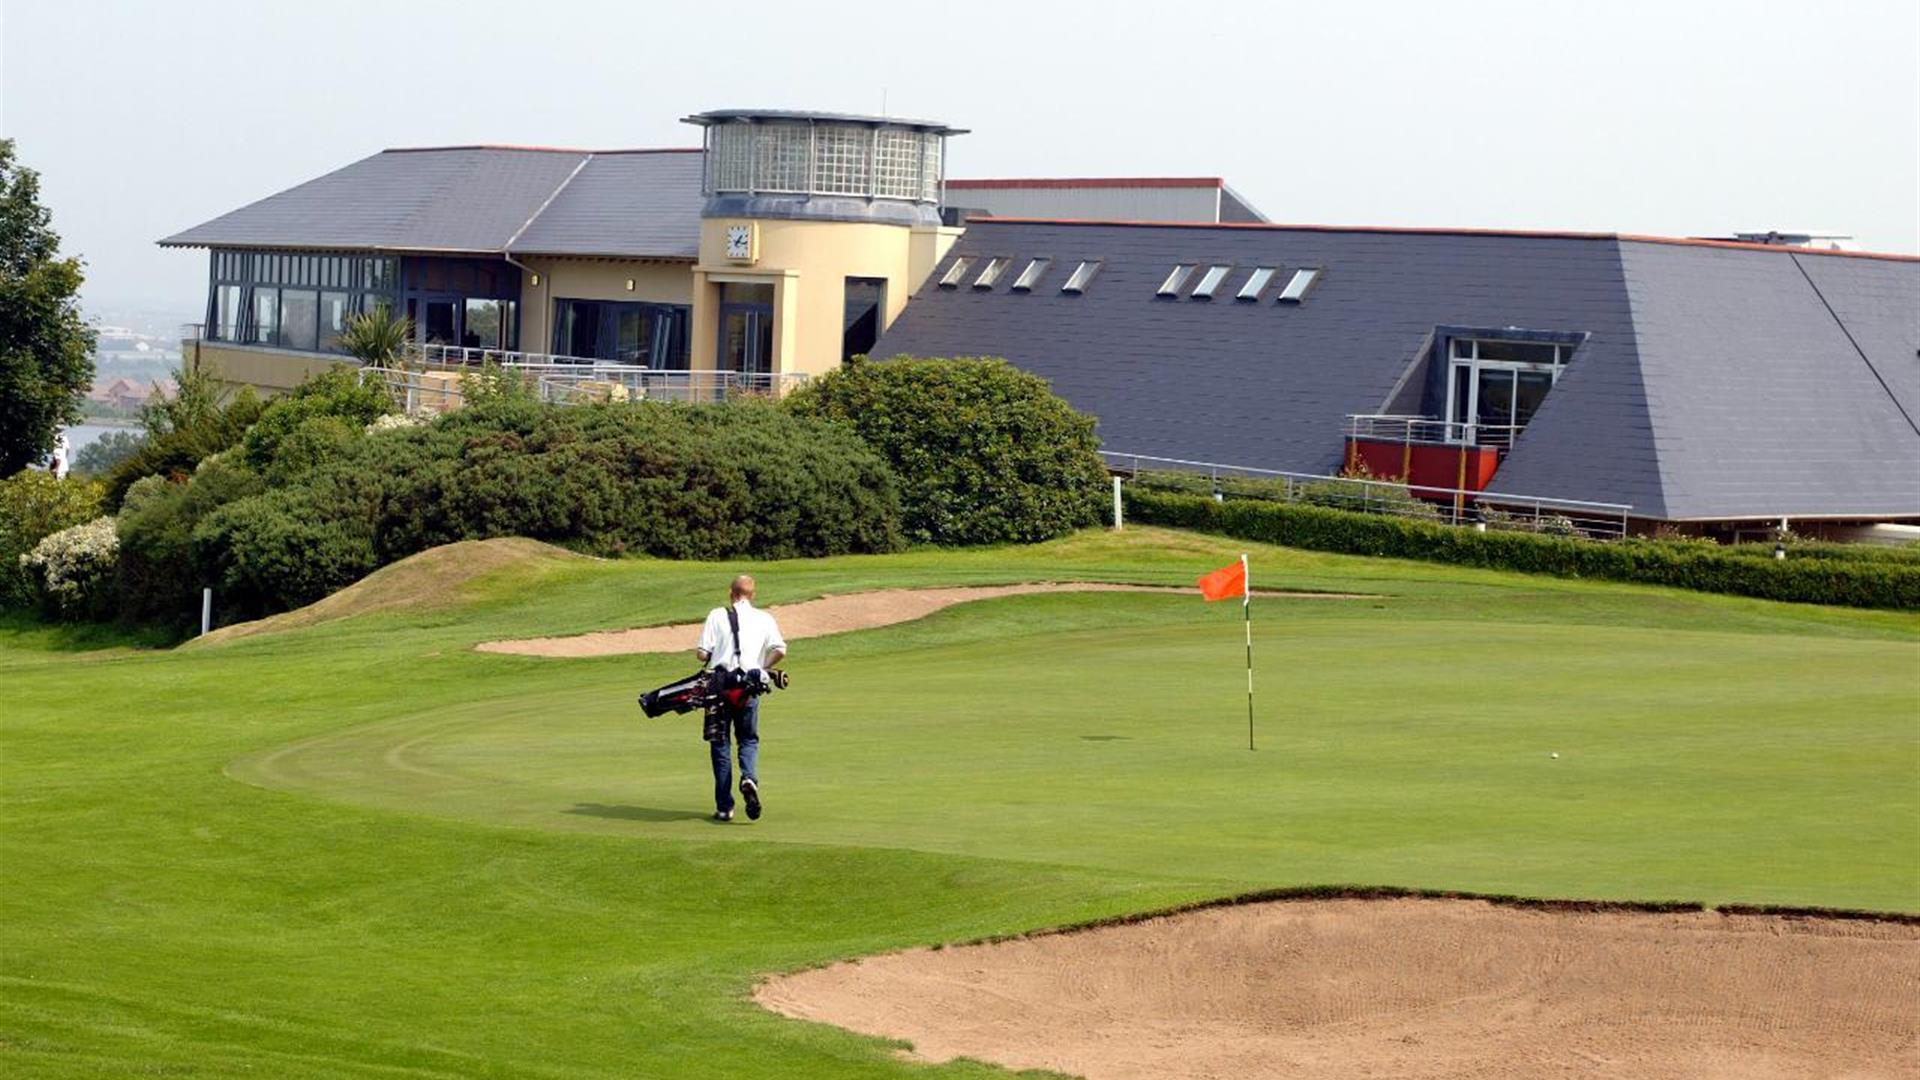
269,371
593,279
808,263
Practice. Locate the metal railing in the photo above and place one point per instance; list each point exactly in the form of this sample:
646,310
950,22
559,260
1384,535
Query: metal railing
1452,506
1391,427
437,388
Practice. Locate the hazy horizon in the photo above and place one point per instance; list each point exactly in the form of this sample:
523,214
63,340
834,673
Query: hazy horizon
1682,119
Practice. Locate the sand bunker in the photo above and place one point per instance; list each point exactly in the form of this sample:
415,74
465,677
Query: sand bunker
1402,988
818,618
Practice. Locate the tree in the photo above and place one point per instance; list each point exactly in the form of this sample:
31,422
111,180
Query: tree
46,350
104,454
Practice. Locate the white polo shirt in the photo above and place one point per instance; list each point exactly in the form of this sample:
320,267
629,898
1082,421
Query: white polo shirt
759,637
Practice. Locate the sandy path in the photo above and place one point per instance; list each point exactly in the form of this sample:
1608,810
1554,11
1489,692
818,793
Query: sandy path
1401,988
826,615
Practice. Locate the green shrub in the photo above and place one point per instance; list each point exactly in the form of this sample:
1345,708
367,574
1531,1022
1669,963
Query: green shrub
986,453
1707,568
336,393
158,578
280,550
34,505
312,443
202,419
682,481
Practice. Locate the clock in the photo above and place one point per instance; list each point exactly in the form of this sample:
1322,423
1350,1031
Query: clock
740,243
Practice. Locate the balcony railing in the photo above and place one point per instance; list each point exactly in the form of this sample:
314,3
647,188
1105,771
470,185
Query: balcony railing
1390,427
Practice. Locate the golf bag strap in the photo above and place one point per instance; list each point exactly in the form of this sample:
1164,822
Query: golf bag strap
733,623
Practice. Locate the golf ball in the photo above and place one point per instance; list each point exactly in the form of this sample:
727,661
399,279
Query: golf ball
1554,754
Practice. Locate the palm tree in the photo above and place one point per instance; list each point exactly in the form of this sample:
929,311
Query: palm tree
377,339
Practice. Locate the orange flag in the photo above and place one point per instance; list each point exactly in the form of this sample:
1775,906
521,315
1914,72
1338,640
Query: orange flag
1227,583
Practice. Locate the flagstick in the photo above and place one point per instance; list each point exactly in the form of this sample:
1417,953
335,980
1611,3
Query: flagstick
1246,607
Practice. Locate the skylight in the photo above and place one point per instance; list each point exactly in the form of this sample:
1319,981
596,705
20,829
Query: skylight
954,273
1297,288
1082,274
1031,275
1209,281
1171,286
1256,284
991,273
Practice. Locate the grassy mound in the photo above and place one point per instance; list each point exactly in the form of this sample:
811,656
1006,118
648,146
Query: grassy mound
434,578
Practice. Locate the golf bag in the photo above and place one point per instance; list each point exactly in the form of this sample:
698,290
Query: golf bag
723,692
706,689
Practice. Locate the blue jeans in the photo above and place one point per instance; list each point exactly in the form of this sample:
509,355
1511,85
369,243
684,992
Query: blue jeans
746,734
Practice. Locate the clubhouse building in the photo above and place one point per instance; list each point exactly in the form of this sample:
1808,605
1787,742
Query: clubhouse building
1704,381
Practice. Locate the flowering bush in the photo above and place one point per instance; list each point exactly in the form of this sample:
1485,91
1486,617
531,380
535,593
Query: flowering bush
70,569
393,421
33,505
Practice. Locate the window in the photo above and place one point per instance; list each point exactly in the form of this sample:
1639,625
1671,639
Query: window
1494,386
1298,285
1077,281
299,319
1031,275
1209,282
951,279
650,335
1171,286
1256,284
335,309
487,324
266,316
860,325
991,273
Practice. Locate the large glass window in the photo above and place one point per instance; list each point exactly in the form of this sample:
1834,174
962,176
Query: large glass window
650,335
865,307
335,309
299,319
1495,386
273,297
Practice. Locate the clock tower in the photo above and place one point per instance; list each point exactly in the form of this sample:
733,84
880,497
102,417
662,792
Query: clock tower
816,229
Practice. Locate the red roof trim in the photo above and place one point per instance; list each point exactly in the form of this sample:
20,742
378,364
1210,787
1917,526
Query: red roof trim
1095,182
541,149
1678,241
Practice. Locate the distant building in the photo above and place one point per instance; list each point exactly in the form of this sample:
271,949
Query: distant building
127,394
1694,380
1145,198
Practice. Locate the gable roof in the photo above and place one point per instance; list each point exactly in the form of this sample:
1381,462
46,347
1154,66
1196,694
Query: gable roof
480,200
1709,384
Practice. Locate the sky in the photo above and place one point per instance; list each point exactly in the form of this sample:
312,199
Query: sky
1682,117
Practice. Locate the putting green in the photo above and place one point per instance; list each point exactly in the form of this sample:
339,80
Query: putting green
362,848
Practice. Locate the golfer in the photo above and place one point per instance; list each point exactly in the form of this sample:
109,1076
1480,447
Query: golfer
738,636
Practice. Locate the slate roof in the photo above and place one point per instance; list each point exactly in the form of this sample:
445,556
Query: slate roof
481,200
1714,381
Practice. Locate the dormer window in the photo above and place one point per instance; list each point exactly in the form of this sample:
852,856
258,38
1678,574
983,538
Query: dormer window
1171,286
1031,275
1210,281
1298,285
991,273
955,273
1077,281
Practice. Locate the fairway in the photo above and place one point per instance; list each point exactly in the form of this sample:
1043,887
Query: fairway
362,847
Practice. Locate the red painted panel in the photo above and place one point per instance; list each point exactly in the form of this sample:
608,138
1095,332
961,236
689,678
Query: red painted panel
1470,468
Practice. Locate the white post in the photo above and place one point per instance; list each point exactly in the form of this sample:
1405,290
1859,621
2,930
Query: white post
206,610
1116,504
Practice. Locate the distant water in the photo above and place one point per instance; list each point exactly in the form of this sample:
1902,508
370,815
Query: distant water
82,434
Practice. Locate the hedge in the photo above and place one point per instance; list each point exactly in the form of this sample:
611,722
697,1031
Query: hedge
1685,565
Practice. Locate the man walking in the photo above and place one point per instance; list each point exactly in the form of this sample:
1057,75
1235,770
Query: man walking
738,637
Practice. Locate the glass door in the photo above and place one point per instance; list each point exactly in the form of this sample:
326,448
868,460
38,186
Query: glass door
746,328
